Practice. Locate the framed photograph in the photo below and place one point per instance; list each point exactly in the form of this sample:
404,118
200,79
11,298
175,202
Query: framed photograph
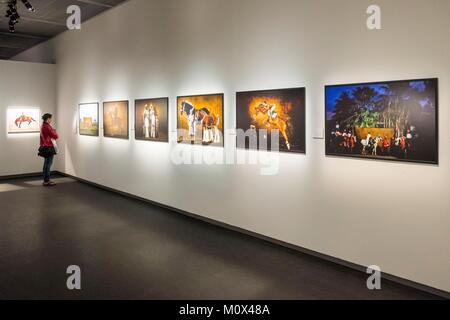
151,119
115,120
23,120
200,119
391,120
88,123
260,114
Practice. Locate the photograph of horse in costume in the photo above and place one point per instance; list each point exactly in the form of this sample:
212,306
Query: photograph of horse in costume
274,122
275,119
201,124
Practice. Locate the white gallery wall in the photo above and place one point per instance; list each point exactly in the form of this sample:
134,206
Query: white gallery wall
394,215
23,84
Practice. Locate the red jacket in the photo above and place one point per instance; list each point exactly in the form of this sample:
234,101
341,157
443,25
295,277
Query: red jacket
47,134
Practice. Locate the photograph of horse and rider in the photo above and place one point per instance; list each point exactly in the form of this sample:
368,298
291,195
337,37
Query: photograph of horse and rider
21,120
200,120
394,120
261,113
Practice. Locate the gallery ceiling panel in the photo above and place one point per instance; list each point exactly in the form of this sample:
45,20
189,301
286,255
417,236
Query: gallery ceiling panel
46,22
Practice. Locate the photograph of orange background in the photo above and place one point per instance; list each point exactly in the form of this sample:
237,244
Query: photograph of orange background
287,117
212,102
115,119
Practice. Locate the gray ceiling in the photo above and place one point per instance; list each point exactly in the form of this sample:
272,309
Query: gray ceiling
47,21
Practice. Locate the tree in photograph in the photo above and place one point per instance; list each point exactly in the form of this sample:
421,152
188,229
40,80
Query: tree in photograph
344,110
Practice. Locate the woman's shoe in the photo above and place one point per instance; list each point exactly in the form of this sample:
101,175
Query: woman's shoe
49,184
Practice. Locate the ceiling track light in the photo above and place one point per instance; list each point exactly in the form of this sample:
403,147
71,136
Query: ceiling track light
28,5
13,15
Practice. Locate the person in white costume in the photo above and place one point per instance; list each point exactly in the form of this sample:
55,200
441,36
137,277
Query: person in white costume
217,137
191,121
153,120
366,143
272,113
146,117
375,145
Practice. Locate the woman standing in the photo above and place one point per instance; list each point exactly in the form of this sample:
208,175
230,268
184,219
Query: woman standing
47,149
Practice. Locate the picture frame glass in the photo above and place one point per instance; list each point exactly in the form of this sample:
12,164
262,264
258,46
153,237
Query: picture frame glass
152,120
391,120
200,120
88,120
116,120
23,120
272,120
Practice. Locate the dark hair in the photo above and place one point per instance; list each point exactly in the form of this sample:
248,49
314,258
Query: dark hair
46,116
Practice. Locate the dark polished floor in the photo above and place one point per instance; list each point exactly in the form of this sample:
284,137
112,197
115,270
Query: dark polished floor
128,249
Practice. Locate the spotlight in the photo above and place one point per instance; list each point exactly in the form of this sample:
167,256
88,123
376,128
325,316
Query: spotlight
12,29
11,10
13,15
28,5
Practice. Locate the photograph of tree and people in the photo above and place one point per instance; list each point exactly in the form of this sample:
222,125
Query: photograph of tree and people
386,120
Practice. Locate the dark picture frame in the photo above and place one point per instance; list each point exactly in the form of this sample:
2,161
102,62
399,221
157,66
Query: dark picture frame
283,95
222,109
123,137
97,134
166,122
433,159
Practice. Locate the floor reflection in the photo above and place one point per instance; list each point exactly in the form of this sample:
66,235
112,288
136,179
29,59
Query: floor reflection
8,187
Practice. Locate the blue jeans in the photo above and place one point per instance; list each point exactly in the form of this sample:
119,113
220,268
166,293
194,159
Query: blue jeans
47,167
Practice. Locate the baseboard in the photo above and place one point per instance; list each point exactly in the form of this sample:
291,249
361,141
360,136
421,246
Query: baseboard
25,175
351,265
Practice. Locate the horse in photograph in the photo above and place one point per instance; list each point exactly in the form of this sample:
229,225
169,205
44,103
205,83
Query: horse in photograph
210,125
188,111
376,144
274,122
210,122
23,119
